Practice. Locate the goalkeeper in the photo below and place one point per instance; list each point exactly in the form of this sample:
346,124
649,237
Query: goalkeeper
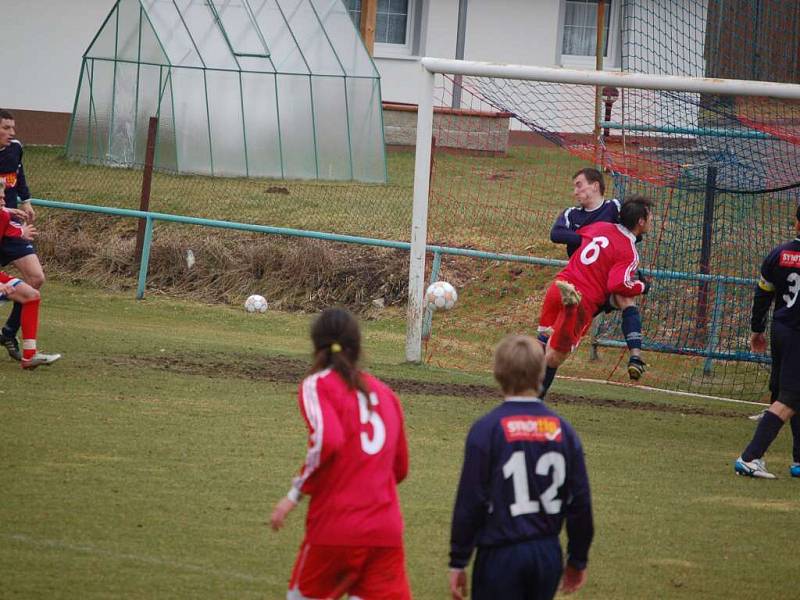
589,189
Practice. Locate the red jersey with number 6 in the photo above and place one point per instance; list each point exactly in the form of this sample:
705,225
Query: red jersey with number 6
605,263
357,454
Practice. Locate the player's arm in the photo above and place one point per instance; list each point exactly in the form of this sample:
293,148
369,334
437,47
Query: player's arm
622,278
580,523
23,193
763,296
472,498
562,232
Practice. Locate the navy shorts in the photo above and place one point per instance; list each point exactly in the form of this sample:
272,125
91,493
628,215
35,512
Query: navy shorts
528,570
785,349
13,248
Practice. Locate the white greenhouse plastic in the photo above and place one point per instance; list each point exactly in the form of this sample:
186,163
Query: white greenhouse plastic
256,88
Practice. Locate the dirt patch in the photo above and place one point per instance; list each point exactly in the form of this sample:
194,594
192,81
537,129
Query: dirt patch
291,371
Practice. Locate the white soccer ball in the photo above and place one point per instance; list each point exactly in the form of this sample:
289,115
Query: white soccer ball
441,295
255,304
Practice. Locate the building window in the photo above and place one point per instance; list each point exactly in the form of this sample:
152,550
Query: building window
579,32
392,23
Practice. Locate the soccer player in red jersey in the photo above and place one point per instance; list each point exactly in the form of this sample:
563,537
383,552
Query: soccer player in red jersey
605,264
357,454
12,288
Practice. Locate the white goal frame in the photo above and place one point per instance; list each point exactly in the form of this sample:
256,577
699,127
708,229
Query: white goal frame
431,66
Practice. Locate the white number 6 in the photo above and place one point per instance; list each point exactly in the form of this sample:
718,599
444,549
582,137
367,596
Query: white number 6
592,250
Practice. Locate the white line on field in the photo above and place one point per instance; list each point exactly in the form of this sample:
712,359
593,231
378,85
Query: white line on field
653,389
151,560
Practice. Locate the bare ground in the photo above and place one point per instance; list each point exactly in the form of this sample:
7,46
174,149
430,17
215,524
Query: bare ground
291,370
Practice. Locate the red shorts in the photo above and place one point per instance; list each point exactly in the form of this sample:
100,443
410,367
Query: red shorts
364,572
6,278
565,334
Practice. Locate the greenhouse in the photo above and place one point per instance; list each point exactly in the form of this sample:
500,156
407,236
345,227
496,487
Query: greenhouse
255,88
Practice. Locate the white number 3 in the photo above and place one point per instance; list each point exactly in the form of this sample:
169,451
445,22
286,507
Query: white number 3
591,251
371,445
794,288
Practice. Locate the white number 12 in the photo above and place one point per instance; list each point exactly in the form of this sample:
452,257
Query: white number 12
516,468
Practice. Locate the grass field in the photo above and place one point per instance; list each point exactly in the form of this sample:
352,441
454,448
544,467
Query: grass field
146,462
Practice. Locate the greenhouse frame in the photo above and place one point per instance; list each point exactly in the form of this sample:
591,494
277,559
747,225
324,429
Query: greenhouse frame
253,88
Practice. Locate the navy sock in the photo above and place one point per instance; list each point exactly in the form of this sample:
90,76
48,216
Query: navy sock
12,324
543,338
632,327
768,428
795,422
549,375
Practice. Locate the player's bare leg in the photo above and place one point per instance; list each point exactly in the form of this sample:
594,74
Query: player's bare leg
632,330
32,273
751,462
570,299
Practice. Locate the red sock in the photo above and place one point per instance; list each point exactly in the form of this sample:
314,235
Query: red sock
564,328
30,324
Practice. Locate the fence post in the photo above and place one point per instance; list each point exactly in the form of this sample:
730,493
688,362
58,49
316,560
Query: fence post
705,253
148,238
147,178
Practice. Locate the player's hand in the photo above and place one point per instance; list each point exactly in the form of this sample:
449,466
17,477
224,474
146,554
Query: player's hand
30,214
758,342
280,512
29,232
6,289
19,215
458,584
573,580
645,281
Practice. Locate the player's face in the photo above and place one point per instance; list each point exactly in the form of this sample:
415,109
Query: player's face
585,193
646,224
2,193
8,129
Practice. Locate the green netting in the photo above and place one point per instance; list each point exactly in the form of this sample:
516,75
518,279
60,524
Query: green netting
724,172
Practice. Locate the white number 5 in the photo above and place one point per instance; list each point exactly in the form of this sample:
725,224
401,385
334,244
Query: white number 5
371,445
592,250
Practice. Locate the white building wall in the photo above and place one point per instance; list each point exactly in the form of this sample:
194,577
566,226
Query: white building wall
44,43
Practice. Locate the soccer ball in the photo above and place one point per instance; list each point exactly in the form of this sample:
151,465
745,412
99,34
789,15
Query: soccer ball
255,304
441,294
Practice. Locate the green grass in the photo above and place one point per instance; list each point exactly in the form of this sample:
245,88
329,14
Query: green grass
122,479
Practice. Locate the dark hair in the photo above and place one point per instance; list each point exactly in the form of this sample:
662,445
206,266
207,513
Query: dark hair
337,344
519,364
633,209
4,114
592,176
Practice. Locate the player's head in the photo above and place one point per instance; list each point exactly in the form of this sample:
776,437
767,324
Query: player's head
7,128
636,214
519,365
337,344
588,187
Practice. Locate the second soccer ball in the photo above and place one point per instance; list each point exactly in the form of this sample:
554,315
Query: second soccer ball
255,304
441,295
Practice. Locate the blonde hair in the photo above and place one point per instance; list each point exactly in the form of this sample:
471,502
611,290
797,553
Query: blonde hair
519,364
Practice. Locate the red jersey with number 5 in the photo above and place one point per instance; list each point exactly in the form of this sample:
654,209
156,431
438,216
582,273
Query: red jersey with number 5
357,454
605,263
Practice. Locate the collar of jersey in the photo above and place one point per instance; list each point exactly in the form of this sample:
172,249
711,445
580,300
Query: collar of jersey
522,399
598,207
627,232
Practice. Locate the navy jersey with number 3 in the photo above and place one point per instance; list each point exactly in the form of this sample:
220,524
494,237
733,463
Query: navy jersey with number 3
780,279
523,475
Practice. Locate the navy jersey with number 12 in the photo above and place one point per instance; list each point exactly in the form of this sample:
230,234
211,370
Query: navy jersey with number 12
523,475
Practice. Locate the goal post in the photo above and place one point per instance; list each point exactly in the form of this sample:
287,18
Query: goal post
691,91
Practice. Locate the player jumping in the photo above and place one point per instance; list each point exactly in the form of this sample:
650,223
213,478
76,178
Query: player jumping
604,264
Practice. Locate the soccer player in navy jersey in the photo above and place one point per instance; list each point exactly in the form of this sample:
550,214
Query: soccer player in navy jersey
588,189
779,283
17,251
524,474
